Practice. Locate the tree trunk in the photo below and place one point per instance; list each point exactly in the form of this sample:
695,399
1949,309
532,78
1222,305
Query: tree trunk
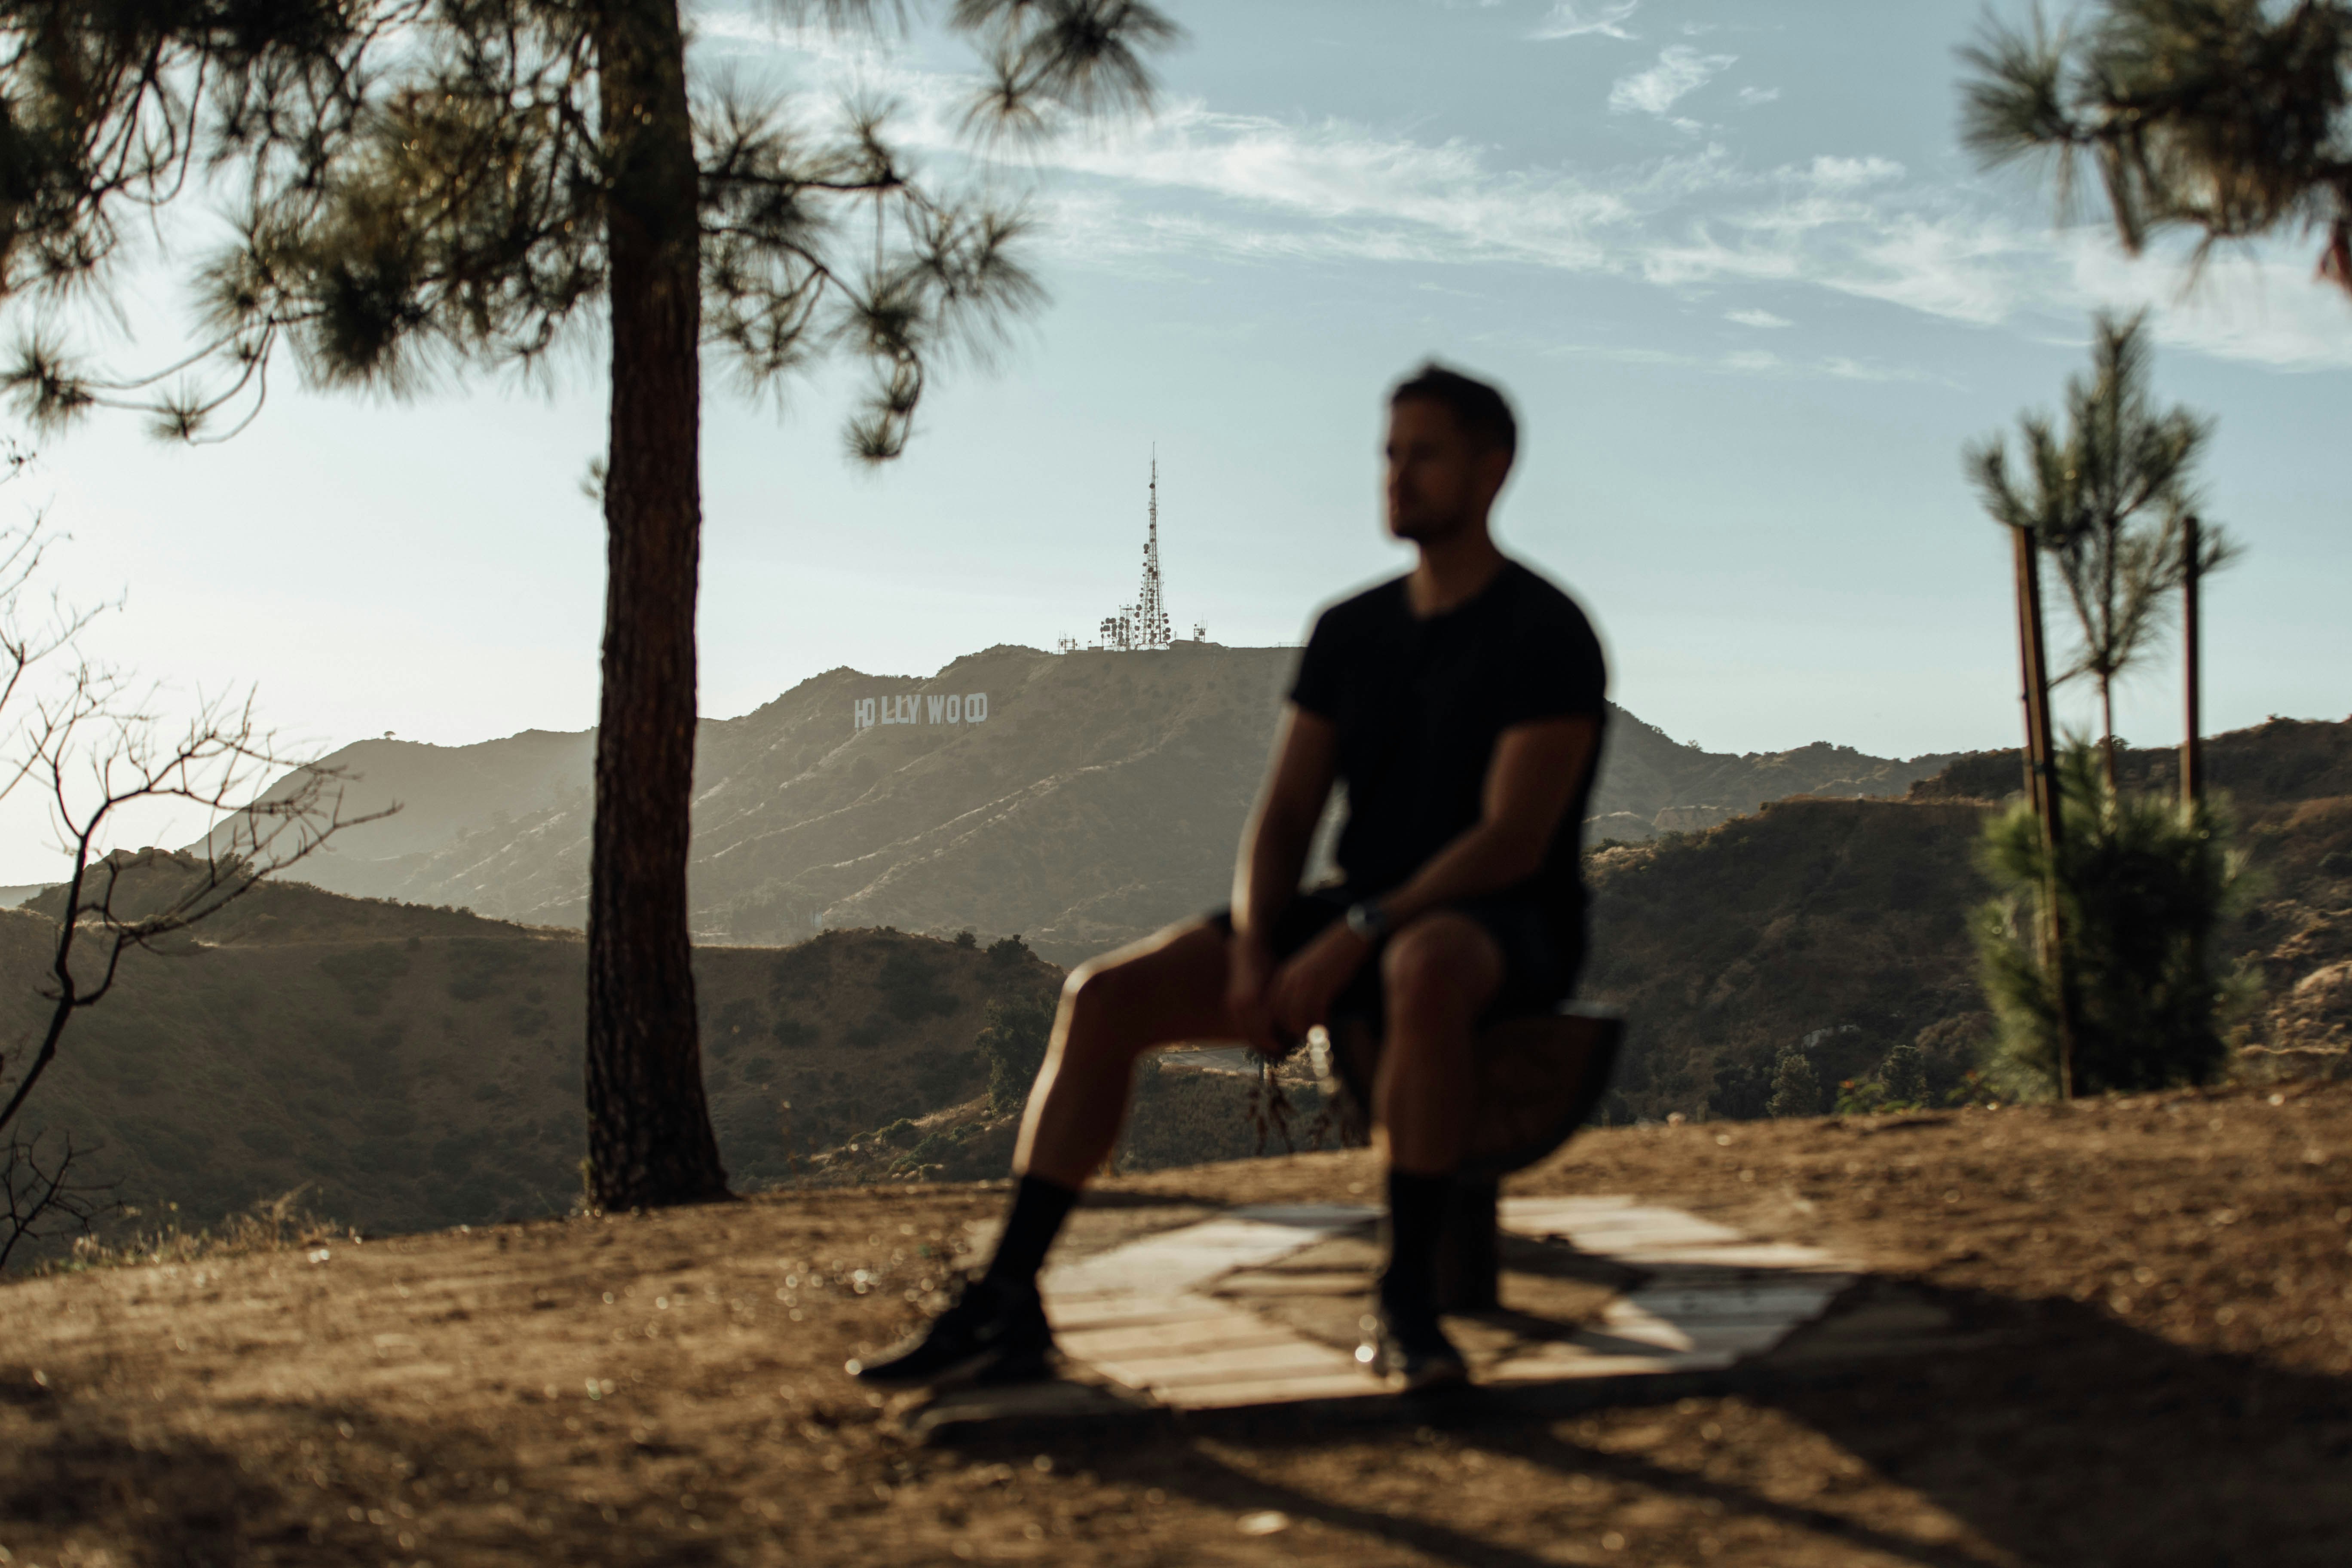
2107,736
2047,796
649,1138
2192,744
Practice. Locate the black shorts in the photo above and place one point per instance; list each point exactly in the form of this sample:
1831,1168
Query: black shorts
1542,952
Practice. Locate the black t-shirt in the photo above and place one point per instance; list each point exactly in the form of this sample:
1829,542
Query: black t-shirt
1420,703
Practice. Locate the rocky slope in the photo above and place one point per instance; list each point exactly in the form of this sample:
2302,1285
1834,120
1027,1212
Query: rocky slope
1100,796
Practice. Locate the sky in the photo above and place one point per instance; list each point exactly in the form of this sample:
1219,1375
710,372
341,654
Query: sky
1748,295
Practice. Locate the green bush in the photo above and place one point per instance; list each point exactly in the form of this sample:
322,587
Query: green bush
1905,1074
1796,1087
2142,886
1899,1083
1012,1041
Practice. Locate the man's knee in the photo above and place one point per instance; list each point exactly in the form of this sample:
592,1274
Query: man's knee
1442,964
1096,998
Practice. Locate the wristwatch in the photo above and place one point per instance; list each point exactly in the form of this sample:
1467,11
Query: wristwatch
1368,919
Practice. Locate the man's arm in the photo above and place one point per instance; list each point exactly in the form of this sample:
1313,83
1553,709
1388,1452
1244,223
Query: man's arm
1536,770
1273,853
1282,824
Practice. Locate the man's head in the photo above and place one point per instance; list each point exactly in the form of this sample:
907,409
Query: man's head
1450,444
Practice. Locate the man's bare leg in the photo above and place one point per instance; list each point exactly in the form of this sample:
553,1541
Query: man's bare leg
1167,988
1164,989
1437,977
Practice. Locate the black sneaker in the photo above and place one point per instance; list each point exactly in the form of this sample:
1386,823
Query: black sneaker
994,1332
1409,1351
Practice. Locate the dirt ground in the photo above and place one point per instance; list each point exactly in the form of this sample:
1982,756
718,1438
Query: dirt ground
2157,1368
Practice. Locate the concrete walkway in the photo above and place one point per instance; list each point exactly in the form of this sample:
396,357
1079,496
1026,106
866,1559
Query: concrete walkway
1258,1308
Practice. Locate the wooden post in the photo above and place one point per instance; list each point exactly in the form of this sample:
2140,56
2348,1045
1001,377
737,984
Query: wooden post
2193,746
2044,793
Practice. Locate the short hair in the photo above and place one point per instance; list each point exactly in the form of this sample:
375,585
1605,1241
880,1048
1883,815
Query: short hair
1481,410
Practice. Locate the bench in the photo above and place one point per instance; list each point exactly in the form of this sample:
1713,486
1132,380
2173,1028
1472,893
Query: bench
1541,1078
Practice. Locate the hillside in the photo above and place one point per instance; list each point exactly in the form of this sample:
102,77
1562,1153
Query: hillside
417,1067
1840,925
1100,796
2144,1358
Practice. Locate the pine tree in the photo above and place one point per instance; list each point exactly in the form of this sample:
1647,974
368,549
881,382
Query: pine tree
2146,886
1904,1075
2220,116
1796,1087
424,185
2107,503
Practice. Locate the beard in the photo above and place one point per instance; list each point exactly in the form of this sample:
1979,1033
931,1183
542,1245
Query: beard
1428,524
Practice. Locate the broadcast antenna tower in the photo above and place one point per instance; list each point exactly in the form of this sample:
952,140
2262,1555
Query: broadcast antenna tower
1143,626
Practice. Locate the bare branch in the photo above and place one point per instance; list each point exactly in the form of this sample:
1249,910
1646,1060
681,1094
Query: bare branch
99,753
40,1196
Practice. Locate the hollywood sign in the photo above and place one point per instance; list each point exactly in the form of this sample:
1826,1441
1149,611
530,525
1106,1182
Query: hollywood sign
919,707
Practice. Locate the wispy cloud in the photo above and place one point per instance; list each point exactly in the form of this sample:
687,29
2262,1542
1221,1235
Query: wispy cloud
1347,179
1197,182
1570,20
1754,97
1758,319
1680,69
1748,362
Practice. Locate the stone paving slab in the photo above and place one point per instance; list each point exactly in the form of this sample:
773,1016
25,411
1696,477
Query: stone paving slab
1146,1327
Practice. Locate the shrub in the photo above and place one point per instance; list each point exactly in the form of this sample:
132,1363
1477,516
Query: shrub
1742,1091
1012,1041
1905,1074
909,984
2142,886
1796,1090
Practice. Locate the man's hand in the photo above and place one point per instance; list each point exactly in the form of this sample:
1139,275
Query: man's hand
1304,988
1249,969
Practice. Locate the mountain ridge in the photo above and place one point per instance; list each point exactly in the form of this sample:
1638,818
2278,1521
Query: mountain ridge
1097,796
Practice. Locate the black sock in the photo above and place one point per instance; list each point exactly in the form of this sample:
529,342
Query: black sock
1417,1207
1038,1209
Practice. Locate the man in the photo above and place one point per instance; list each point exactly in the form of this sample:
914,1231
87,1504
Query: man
1462,707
